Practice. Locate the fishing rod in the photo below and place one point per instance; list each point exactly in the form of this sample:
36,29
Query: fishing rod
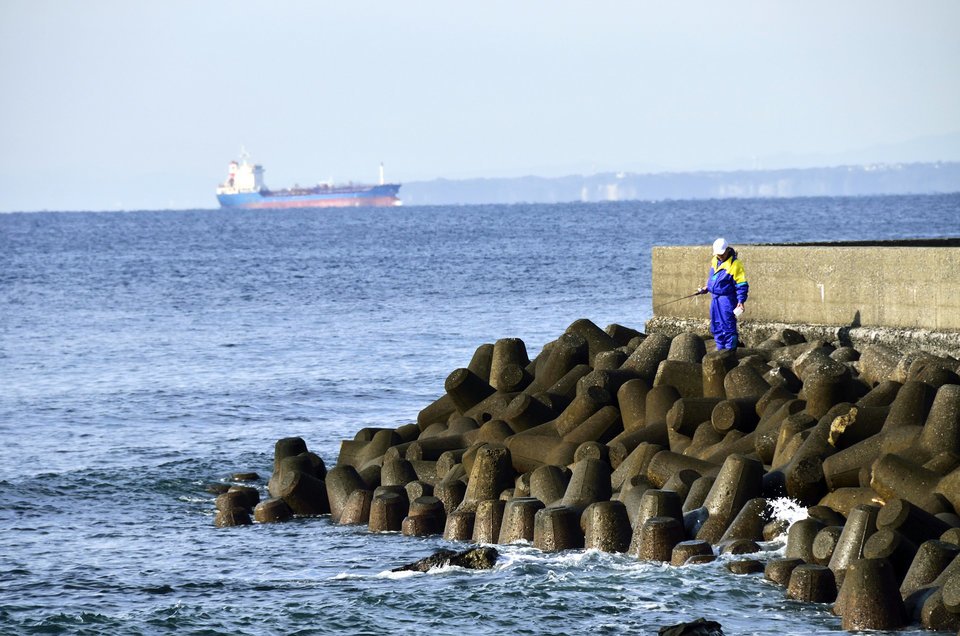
676,300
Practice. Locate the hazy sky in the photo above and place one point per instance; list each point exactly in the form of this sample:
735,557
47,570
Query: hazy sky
126,104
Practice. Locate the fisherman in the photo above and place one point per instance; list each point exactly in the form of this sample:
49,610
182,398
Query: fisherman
727,283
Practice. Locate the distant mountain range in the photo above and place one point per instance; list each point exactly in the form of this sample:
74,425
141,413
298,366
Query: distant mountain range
849,180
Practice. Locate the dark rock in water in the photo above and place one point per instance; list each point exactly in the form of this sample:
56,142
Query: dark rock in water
436,560
472,559
749,566
699,627
232,517
217,489
476,558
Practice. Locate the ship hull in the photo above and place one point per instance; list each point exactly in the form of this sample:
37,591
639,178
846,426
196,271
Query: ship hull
377,196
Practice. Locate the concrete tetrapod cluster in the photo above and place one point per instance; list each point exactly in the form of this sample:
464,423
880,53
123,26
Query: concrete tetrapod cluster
296,487
650,445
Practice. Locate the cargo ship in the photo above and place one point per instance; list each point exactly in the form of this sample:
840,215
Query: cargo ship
244,188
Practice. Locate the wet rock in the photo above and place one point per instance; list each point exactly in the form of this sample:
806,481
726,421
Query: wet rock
812,583
869,597
748,566
699,627
481,558
217,489
779,570
685,550
272,510
232,517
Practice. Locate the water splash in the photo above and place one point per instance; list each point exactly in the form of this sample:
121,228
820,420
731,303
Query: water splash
403,574
786,510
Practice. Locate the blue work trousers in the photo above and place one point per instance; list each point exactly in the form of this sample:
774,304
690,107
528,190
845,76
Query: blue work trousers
723,323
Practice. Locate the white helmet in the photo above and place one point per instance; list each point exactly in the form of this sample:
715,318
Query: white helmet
720,246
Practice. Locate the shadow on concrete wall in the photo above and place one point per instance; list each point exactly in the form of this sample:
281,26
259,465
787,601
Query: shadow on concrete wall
843,334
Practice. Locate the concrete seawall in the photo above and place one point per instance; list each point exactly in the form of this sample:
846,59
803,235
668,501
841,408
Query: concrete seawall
902,293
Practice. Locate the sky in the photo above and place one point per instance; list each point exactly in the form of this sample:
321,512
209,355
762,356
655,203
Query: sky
141,105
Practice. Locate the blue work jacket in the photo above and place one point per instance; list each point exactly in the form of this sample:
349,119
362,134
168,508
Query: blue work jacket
727,278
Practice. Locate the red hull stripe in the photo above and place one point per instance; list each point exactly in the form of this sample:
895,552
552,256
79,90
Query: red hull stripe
323,203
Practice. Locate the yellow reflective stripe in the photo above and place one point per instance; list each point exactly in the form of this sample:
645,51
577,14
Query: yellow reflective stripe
736,271
718,266
733,268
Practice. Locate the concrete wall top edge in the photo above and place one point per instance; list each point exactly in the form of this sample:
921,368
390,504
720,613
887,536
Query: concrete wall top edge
920,243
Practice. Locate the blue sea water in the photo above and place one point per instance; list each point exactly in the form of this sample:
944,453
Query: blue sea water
144,355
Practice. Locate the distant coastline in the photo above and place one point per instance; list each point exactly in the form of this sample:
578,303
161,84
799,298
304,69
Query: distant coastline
853,180
877,179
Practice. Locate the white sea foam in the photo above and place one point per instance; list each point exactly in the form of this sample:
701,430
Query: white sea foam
405,574
193,499
786,509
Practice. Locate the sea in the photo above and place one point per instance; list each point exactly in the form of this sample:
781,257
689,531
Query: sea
145,355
